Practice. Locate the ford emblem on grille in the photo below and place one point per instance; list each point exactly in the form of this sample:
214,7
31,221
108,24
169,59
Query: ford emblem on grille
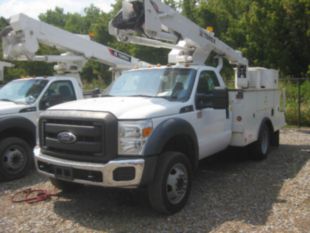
66,137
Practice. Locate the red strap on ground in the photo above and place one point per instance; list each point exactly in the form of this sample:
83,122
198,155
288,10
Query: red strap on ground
31,196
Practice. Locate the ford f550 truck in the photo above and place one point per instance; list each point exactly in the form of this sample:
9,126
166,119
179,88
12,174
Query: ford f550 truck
155,124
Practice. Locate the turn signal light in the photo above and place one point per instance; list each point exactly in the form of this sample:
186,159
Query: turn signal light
146,132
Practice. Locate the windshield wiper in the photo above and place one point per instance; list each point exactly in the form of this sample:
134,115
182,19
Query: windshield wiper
7,100
147,96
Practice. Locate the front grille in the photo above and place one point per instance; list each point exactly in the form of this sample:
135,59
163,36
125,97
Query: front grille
91,143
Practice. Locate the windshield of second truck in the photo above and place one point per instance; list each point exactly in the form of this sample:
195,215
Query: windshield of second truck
24,91
174,84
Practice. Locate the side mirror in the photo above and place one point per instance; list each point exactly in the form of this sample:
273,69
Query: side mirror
44,104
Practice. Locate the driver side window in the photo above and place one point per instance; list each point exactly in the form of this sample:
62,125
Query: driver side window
205,95
58,92
207,82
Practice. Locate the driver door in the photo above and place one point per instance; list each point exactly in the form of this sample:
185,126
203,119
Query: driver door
213,123
58,92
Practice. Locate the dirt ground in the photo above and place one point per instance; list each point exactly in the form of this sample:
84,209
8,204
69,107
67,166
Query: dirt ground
229,194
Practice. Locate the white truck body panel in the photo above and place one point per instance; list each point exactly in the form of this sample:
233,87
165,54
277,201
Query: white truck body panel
258,78
253,108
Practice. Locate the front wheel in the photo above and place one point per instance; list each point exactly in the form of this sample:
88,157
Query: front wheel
172,184
16,158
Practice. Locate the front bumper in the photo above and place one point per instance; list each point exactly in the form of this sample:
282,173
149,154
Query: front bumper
115,173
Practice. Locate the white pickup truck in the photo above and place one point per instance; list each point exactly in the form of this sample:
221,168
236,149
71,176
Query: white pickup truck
21,102
153,127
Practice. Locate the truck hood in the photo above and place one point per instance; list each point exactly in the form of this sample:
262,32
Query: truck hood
7,108
126,107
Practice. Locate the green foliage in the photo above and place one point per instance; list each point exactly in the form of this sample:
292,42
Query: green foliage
172,3
56,16
291,90
270,33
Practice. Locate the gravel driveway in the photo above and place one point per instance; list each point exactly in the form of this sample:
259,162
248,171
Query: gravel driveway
229,194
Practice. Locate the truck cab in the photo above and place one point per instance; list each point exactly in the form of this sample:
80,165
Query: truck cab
21,102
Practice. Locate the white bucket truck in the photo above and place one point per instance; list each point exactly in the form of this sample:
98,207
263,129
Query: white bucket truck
155,124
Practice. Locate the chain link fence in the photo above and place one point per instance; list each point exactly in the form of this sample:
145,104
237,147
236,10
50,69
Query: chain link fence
297,91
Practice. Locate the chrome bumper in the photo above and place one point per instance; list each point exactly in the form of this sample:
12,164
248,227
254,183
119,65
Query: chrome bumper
106,170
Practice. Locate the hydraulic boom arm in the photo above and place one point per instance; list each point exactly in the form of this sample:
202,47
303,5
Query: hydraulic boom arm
152,23
22,37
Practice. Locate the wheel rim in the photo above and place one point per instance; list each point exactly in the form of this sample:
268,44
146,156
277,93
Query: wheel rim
177,183
265,141
14,159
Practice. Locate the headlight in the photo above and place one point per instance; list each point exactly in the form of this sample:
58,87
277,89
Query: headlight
132,136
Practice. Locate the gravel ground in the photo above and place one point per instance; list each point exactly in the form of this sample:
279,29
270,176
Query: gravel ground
230,194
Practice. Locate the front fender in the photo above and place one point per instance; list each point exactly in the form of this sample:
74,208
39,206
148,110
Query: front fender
21,123
166,131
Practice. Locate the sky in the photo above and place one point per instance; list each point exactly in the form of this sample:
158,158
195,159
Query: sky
34,7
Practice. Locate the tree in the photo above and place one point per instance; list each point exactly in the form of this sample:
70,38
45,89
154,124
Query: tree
270,33
56,17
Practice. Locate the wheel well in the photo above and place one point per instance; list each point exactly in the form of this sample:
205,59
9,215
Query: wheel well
183,144
271,130
269,125
19,133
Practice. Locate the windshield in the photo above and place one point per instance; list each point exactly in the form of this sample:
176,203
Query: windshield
24,91
171,83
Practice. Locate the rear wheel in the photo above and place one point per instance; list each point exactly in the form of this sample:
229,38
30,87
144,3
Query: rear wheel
16,158
65,186
171,188
260,149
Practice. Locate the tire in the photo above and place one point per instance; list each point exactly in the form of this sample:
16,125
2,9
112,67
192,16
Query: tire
65,186
16,158
170,190
259,150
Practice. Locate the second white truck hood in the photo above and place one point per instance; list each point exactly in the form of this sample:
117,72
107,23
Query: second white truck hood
7,108
125,107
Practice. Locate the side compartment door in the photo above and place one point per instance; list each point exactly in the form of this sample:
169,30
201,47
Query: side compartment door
213,122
